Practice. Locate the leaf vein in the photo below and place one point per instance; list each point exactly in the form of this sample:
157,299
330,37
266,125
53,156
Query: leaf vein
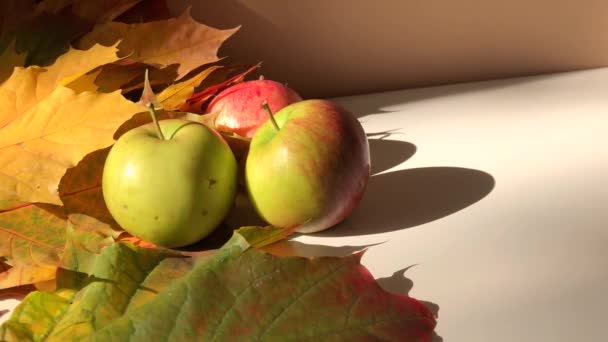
298,296
23,237
236,299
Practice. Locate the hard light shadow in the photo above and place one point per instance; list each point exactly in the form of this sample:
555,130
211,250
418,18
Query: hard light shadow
386,154
408,198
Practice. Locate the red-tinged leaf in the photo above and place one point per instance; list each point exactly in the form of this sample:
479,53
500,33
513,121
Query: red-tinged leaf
197,101
149,294
180,41
175,95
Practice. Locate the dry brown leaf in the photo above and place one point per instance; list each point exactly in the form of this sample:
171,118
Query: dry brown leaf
179,40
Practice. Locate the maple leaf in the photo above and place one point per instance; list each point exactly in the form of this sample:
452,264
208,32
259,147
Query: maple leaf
37,239
46,128
31,240
180,40
245,293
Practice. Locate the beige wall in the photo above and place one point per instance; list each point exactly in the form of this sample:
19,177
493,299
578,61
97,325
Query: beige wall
336,47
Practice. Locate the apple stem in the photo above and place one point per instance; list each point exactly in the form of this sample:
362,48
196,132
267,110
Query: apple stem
270,115
152,111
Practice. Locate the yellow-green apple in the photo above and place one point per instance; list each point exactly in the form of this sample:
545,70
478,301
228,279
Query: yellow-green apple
170,182
237,108
308,167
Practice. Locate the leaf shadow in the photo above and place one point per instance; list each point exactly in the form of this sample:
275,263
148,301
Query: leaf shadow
398,283
287,248
412,197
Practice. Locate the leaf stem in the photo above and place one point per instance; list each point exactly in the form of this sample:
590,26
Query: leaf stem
270,115
152,111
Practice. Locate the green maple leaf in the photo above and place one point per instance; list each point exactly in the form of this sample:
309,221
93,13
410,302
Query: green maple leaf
238,293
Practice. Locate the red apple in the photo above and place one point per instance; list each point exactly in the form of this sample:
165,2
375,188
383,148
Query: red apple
238,109
309,167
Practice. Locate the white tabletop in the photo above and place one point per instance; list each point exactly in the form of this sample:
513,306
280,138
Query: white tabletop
502,205
489,201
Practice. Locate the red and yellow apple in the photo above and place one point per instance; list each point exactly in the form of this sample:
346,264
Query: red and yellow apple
311,169
237,109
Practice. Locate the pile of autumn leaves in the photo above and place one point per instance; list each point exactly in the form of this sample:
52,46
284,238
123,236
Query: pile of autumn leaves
51,117
62,105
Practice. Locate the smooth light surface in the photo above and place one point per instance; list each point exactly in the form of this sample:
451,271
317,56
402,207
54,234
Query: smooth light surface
527,258
493,198
342,47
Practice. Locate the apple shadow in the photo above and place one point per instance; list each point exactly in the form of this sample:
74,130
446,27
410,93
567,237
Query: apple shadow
386,154
398,283
408,198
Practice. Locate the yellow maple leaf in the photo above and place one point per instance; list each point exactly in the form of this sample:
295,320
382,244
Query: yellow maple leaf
73,65
46,128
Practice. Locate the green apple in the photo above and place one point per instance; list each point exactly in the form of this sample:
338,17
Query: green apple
308,167
171,189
